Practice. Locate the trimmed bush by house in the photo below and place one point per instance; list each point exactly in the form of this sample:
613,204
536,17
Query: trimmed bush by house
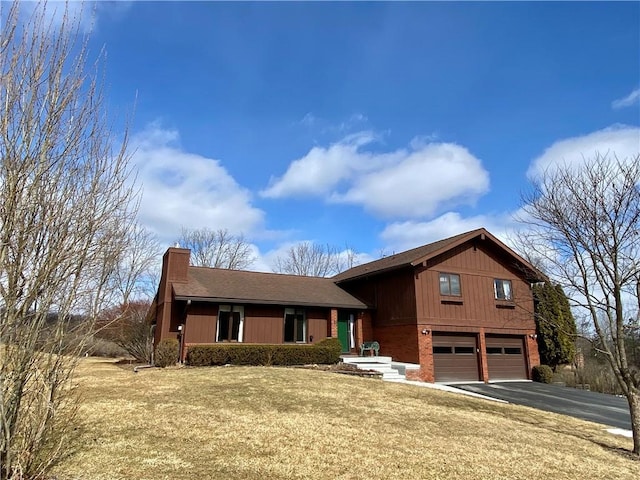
542,374
167,352
324,352
333,346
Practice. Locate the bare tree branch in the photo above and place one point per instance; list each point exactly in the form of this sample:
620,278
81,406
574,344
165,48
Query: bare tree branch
315,260
133,278
584,228
217,248
126,326
66,207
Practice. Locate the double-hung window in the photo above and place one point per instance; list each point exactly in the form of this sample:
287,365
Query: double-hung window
502,289
295,325
450,284
230,323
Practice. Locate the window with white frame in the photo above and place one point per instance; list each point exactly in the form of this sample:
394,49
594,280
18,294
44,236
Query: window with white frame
450,284
502,289
230,323
295,325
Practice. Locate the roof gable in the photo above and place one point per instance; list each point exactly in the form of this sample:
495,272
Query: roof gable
419,255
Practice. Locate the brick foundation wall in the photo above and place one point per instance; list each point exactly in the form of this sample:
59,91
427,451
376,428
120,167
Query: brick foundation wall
408,343
533,356
425,350
484,365
415,375
398,342
365,332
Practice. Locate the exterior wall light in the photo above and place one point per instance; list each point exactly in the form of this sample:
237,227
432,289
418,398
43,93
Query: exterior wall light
425,331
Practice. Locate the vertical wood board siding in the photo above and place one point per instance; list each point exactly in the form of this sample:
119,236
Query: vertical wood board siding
317,324
200,326
391,294
262,324
477,267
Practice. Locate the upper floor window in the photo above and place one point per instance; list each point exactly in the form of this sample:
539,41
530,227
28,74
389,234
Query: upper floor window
450,284
295,325
230,323
502,289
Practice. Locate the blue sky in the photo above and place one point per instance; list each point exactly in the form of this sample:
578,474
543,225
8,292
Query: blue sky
380,126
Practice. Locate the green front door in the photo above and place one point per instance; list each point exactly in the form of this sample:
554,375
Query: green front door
343,329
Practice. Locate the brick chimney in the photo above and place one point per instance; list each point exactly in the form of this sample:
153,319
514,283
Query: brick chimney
175,264
175,268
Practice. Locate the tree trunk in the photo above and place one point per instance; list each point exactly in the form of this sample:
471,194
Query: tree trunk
634,409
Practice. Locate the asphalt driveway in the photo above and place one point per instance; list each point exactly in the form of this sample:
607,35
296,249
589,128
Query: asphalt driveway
596,407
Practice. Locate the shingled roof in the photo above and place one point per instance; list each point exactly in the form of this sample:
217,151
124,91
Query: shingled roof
418,255
221,285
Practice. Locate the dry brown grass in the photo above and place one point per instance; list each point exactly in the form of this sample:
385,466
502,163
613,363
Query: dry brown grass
276,423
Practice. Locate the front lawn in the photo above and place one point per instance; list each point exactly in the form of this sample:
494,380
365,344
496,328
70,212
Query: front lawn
281,423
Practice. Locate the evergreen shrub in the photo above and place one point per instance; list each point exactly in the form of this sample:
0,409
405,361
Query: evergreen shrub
324,352
542,374
167,352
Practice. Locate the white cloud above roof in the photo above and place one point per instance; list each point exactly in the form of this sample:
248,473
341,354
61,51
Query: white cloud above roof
401,236
623,141
419,182
323,168
405,183
186,189
619,140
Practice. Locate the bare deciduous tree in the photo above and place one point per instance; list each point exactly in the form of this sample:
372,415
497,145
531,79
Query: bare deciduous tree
126,326
217,248
314,260
135,276
66,205
585,229
132,285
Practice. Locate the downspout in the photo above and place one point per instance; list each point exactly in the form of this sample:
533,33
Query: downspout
183,330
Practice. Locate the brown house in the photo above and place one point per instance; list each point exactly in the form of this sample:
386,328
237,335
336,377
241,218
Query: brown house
460,308
200,305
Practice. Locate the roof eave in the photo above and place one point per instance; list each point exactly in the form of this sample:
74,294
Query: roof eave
253,301
374,272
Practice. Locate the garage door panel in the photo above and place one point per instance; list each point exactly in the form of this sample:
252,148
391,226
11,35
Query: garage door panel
505,358
455,358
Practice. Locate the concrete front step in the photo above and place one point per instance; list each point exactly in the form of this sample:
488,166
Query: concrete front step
379,359
378,364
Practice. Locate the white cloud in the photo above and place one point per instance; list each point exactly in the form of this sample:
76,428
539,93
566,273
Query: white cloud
186,189
406,183
54,12
420,182
621,140
628,101
84,13
268,259
320,170
401,236
422,141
